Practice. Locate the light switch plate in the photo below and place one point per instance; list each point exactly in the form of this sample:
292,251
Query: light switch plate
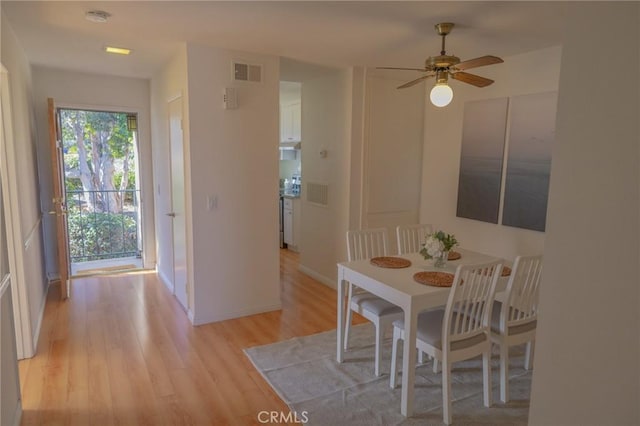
230,98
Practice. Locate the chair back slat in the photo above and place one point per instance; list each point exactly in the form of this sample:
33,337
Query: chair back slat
521,301
411,237
367,243
468,309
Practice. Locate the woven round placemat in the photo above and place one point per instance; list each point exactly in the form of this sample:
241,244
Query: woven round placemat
435,279
391,262
506,271
454,255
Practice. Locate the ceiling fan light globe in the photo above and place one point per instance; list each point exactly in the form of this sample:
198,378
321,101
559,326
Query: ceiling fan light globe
441,95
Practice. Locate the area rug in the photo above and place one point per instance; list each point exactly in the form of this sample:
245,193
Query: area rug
305,374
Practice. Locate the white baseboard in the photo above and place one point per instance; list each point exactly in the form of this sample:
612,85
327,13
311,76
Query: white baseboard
53,277
18,414
167,283
319,277
36,330
222,316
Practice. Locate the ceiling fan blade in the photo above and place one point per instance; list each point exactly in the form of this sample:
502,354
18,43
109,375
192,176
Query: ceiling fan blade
407,69
473,79
414,82
478,62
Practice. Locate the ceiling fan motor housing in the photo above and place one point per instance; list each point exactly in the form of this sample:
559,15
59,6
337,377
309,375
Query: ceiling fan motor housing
442,76
434,63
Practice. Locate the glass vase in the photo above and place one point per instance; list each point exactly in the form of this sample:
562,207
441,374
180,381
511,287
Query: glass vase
440,261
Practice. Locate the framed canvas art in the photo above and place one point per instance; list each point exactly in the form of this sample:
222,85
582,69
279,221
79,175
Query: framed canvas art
480,179
531,135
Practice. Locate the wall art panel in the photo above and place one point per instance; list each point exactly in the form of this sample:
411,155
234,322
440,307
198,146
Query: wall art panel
483,138
531,135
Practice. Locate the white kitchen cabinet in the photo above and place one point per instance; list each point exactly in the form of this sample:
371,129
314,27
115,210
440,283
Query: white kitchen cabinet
288,222
290,123
291,219
296,223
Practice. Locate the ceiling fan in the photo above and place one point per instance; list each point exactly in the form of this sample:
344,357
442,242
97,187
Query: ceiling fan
444,66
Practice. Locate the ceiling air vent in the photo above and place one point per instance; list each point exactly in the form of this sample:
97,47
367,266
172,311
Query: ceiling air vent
247,72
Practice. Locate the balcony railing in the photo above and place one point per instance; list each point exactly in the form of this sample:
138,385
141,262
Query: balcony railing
103,224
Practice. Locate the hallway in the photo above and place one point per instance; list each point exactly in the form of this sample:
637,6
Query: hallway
122,351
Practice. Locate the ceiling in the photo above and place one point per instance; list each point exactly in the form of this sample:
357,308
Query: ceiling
342,33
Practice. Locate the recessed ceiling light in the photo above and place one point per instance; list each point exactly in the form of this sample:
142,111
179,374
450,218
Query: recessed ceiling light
99,16
118,50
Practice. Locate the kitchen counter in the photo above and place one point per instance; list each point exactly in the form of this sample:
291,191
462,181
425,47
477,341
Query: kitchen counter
289,195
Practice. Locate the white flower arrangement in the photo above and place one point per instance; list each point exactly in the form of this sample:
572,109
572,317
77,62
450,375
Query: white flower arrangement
438,243
433,246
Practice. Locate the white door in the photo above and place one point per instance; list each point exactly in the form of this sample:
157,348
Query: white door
177,203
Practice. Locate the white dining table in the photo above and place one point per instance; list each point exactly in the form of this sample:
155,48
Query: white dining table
398,287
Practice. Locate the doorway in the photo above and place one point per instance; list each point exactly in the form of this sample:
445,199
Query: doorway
290,166
102,190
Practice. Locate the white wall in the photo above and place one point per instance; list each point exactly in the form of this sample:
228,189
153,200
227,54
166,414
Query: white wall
326,109
356,154
393,139
168,84
355,117
29,276
92,91
10,405
586,367
234,157
534,72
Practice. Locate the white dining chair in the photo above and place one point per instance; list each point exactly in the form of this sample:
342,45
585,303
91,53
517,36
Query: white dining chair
514,320
459,331
411,237
366,244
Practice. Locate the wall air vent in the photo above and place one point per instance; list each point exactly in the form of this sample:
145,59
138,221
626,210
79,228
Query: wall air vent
318,193
247,72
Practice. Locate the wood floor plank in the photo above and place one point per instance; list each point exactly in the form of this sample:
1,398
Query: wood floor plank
121,351
124,409
175,411
39,378
78,373
209,388
54,391
194,402
100,405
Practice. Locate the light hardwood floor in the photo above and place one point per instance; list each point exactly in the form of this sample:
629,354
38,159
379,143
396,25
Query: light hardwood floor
121,351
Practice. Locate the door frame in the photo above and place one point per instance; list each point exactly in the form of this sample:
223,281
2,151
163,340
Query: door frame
141,166
24,337
59,199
